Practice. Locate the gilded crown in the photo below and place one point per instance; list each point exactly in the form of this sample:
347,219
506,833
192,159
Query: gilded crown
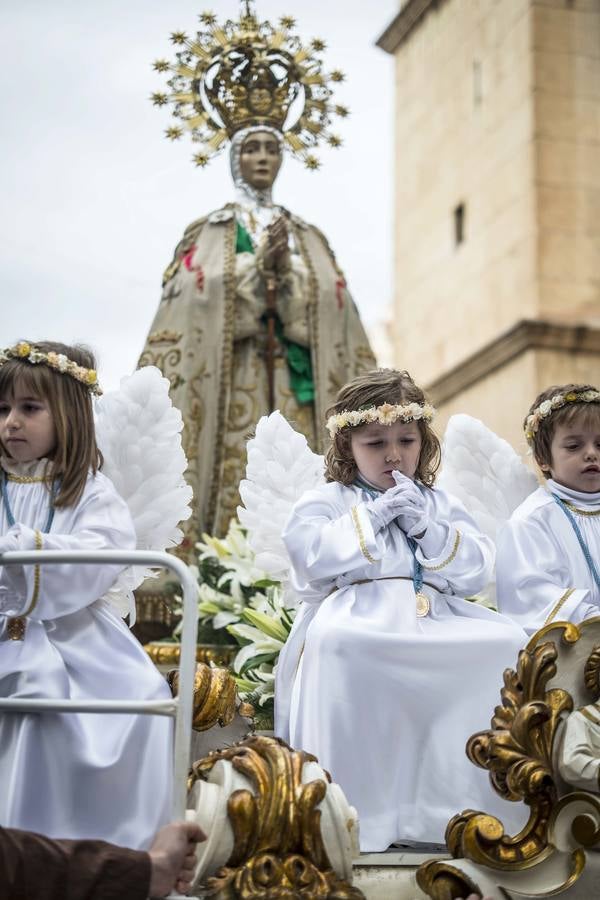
248,72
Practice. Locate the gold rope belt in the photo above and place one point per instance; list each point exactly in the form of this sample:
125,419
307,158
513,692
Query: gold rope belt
422,599
385,578
423,602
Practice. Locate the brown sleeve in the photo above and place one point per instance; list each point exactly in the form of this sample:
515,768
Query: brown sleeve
34,866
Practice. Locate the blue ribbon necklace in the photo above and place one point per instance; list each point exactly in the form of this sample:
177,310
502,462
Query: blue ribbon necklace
9,512
584,547
15,626
423,602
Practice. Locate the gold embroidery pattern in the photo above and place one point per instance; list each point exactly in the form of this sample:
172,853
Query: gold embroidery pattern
581,512
226,366
27,479
313,320
559,605
189,237
330,252
16,626
165,337
39,543
589,716
361,536
447,561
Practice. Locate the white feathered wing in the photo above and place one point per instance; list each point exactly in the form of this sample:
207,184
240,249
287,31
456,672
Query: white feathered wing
138,431
281,467
486,475
484,472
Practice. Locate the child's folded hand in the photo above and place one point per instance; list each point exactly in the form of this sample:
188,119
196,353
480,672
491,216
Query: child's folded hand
413,518
387,507
9,541
402,500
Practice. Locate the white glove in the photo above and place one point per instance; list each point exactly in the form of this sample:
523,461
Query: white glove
416,522
387,507
9,541
13,590
413,518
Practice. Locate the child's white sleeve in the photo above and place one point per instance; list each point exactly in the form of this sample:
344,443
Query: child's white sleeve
578,759
100,522
324,542
466,559
533,581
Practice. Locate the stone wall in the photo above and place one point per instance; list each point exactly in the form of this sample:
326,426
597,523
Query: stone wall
497,112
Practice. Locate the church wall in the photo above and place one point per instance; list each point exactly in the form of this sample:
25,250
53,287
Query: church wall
566,54
464,135
501,399
498,109
495,401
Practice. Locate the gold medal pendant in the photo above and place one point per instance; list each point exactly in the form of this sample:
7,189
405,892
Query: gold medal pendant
16,628
423,604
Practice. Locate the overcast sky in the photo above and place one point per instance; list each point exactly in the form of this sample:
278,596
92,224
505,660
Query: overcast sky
94,198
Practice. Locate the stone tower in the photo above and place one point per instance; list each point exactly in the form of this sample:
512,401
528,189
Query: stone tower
497,201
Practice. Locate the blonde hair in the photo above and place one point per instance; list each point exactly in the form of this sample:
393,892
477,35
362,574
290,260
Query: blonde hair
70,405
541,441
374,389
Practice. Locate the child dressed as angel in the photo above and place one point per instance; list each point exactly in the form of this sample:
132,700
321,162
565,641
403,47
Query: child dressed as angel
73,775
549,552
389,670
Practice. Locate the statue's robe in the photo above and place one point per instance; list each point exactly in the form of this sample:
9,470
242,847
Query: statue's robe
209,339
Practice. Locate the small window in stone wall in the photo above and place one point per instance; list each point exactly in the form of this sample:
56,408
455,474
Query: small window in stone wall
459,224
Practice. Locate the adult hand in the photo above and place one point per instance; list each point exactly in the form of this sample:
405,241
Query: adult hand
173,858
277,253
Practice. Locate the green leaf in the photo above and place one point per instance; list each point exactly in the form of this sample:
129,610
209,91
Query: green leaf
255,661
267,624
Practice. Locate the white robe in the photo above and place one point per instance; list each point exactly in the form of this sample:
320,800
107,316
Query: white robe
103,776
384,699
541,571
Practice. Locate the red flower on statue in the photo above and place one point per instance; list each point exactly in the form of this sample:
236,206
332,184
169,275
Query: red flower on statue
187,259
188,263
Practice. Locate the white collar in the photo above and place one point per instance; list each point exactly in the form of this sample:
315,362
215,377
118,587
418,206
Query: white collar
581,499
37,468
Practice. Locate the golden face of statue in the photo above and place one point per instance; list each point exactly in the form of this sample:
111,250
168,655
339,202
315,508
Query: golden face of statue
260,160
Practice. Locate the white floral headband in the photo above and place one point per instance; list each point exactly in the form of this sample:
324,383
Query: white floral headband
547,407
57,361
383,415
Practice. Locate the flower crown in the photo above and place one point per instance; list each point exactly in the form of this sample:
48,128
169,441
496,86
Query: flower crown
57,361
547,407
383,415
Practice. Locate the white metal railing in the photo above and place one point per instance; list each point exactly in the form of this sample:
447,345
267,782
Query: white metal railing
180,707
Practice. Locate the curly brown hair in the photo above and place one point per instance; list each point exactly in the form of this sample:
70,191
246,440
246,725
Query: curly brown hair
70,405
375,388
588,413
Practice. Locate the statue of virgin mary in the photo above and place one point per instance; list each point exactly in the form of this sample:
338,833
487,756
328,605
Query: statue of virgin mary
255,313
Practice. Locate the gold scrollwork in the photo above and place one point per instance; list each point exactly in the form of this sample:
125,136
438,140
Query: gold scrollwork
163,653
215,696
518,754
278,851
443,881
